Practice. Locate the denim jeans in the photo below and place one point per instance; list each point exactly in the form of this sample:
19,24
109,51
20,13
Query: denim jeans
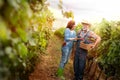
79,63
66,51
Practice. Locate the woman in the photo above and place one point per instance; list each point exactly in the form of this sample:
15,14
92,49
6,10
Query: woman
80,55
69,38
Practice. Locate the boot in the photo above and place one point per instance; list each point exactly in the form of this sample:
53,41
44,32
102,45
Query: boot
60,74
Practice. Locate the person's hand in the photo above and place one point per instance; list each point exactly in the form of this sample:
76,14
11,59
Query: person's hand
93,46
75,38
80,39
72,39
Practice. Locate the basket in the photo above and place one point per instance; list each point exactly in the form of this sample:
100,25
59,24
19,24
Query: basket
85,46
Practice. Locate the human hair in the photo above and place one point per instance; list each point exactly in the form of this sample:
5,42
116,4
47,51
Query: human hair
70,24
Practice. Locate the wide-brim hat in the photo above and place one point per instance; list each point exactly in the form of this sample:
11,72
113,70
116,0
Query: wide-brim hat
85,22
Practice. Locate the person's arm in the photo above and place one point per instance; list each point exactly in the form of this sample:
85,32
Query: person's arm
75,36
67,35
96,37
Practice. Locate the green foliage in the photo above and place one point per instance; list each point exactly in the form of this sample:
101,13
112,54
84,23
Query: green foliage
68,14
24,34
109,47
60,32
78,27
37,5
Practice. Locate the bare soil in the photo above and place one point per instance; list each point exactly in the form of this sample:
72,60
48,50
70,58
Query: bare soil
49,62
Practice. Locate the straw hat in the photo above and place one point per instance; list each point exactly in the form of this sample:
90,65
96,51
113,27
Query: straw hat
86,22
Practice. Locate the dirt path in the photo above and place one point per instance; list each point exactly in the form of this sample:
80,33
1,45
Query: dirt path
46,69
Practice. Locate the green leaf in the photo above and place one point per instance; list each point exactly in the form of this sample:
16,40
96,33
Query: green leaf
3,31
22,49
32,42
14,3
8,50
22,34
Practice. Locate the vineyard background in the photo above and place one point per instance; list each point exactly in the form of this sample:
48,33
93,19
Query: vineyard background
25,31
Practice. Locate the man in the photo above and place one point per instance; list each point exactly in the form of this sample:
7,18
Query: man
80,55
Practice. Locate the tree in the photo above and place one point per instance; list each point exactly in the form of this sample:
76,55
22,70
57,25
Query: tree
67,14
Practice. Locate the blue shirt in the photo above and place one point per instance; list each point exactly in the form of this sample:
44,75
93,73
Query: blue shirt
67,35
